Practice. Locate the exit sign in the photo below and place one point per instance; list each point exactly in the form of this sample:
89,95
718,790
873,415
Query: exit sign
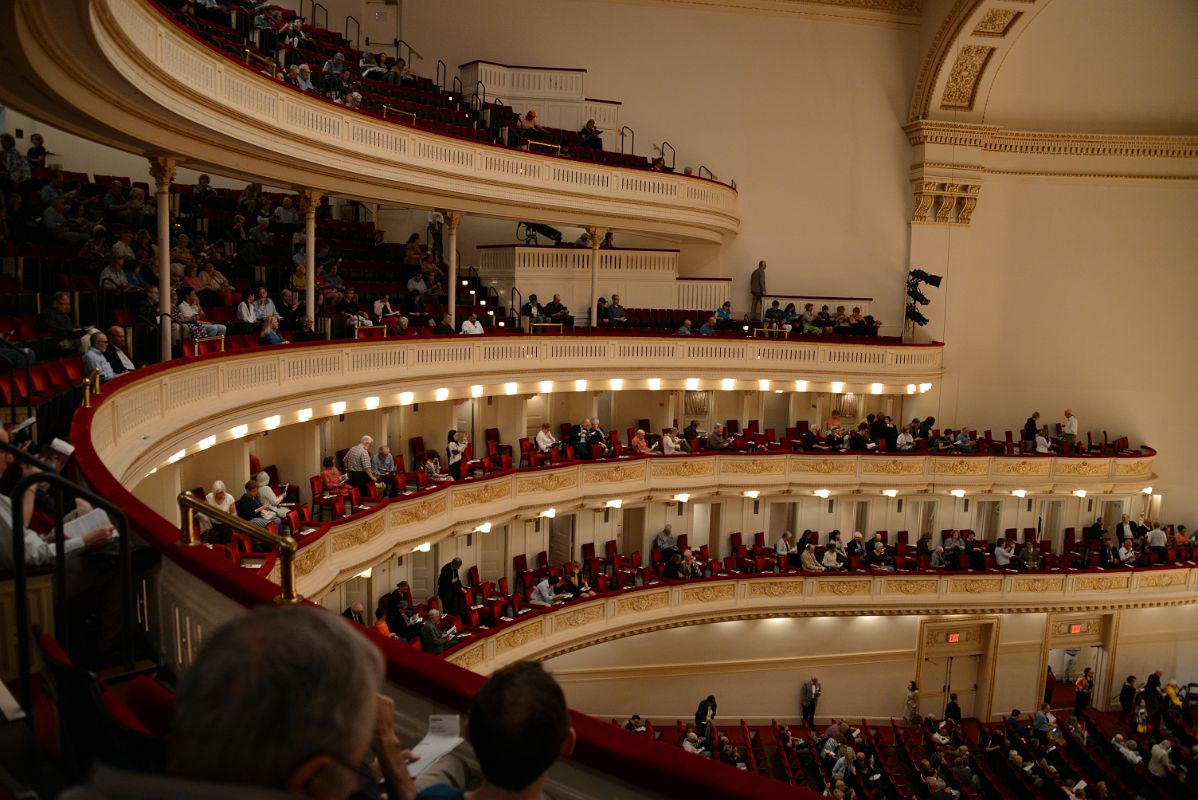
1075,628
953,638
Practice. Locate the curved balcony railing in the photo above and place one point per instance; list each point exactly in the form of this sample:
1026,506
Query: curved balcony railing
194,104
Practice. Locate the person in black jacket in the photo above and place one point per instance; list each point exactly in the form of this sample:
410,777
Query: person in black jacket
953,709
355,613
448,586
1127,697
704,715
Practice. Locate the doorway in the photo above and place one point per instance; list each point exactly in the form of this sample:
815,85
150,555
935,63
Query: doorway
422,582
493,554
944,676
1067,665
776,413
630,529
561,539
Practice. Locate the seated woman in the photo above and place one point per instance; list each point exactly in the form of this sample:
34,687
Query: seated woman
671,442
723,317
348,312
789,315
331,479
639,444
270,331
831,560
591,136
576,584
432,467
190,279
269,498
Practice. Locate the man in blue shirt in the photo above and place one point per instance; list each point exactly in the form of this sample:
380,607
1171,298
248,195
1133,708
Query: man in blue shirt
94,359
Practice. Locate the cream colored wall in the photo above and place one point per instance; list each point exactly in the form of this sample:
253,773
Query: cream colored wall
832,224
1157,638
1072,293
1017,679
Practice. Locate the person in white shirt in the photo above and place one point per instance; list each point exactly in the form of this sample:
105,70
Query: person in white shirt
830,561
268,496
691,743
670,443
543,594
264,307
1004,555
1155,538
38,551
472,326
1069,429
905,440
416,284
545,439
245,310
1127,553
287,213
219,498
1042,445
785,550
1126,749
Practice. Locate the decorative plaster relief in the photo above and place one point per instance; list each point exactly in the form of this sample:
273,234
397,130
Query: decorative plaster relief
359,534
551,482
776,589
518,637
1127,468
579,617
309,558
469,658
419,512
1101,583
895,466
683,469
739,467
708,594
484,494
975,585
961,466
1160,580
643,602
1039,584
996,22
908,586
1083,469
617,474
823,466
1021,467
843,588
964,77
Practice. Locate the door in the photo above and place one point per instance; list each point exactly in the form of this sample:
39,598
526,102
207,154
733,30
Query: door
989,516
493,554
782,516
943,676
424,577
561,540
1112,513
925,516
777,412
631,532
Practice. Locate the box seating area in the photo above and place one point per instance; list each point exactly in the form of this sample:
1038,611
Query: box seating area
417,101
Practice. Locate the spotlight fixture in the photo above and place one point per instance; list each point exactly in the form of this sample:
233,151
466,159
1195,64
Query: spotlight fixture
915,297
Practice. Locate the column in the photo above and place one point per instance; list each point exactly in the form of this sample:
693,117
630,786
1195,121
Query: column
452,220
596,235
162,169
310,200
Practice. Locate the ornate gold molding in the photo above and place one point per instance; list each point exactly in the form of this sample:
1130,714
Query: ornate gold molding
643,602
756,467
823,466
518,637
309,558
549,482
908,586
616,474
996,22
488,493
1082,469
1021,467
975,585
1055,584
370,528
961,466
682,469
775,589
1128,468
894,466
579,617
963,78
1101,583
419,512
945,202
995,138
470,657
841,587
708,594
1161,580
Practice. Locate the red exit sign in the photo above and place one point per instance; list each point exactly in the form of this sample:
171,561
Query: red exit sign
953,638
1075,628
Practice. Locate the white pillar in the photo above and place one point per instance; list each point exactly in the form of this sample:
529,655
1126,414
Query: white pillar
596,235
452,220
310,200
163,171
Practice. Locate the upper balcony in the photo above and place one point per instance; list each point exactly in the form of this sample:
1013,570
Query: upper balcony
122,60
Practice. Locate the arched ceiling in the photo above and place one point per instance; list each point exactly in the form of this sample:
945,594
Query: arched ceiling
1081,66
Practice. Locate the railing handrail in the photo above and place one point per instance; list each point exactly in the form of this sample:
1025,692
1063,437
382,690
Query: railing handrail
20,580
399,45
480,98
91,386
516,298
673,153
285,546
631,135
392,109
250,54
357,31
710,174
442,74
315,6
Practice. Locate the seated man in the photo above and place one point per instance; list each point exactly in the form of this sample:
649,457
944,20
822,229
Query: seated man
808,561
667,542
95,358
383,464
616,316
708,327
55,320
518,726
1004,555
532,309
445,326
189,312
472,327
432,638
1108,556
963,443
716,440
557,312
226,740
546,593
684,329
1127,553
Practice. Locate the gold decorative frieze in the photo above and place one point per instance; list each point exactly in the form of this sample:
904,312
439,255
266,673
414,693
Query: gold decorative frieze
579,617
909,586
738,466
843,588
993,138
1022,467
961,466
1161,580
488,493
370,528
683,468
309,558
708,593
975,585
963,78
776,589
1083,469
1101,583
997,22
408,513
823,466
893,466
1054,584
945,203
471,657
1124,469
518,637
639,603
616,474
549,482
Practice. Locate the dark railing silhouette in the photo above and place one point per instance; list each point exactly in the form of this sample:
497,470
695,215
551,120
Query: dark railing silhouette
442,74
357,40
673,154
317,7
702,169
625,130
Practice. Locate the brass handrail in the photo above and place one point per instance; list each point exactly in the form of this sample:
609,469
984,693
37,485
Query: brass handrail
285,546
91,385
395,110
274,68
357,330
557,148
198,340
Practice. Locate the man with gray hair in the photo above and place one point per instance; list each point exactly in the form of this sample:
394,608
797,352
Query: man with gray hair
432,639
281,702
358,469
